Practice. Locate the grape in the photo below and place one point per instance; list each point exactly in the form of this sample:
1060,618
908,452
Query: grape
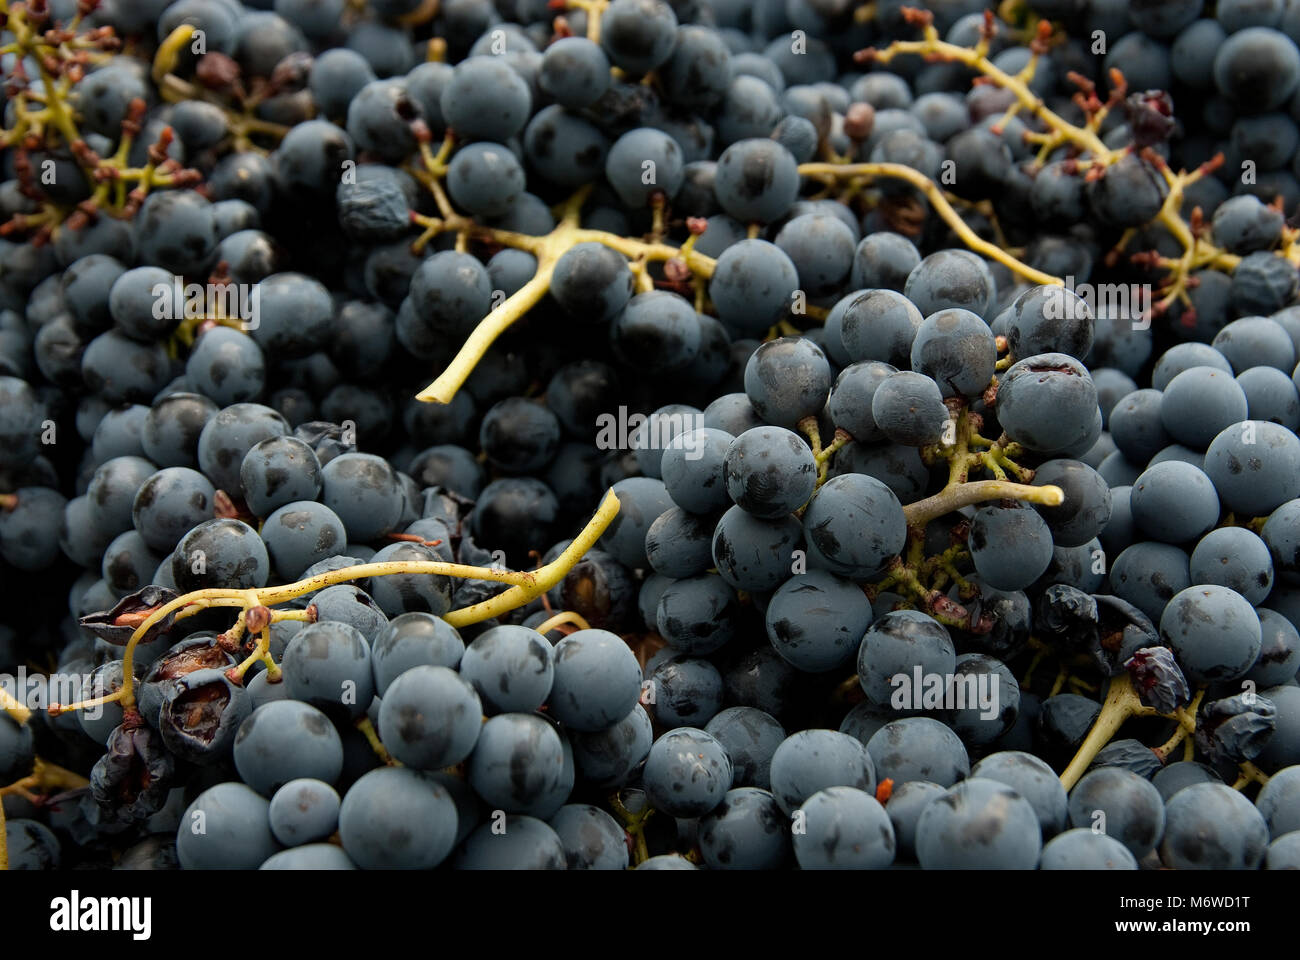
1130,808
1213,630
1200,402
227,366
286,740
29,532
608,757
299,535
1236,558
1011,547
596,680
770,472
899,642
176,230
1283,747
755,554
1271,395
796,134
1262,283
1211,826
484,178
1174,502
278,471
235,833
1136,425
304,811
950,278
638,35
752,285
812,760
909,409
1257,66
815,621
756,180
822,248
750,738
1086,509
845,829
1148,575
687,773
172,427
667,861
1050,381
591,838
394,818
698,72
1034,780
1253,465
684,691
328,665
201,715
1085,849
17,753
122,370
574,72
518,760
449,293
918,748
695,615
1050,319
1279,653
1130,192
221,553
658,331
644,162
955,348
591,274
511,668
485,99
881,325
978,824
747,831
1277,802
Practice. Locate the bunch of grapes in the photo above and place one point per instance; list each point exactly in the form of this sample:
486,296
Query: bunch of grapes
666,434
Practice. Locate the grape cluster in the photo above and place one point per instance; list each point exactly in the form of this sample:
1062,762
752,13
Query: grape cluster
951,432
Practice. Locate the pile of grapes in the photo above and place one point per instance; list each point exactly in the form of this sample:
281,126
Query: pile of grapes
657,434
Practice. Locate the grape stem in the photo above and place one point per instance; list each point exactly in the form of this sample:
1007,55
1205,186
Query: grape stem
955,496
526,586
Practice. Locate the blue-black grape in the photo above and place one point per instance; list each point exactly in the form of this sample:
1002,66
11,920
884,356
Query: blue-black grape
812,760
1011,547
752,285
1213,630
430,718
979,824
918,748
1255,467
756,180
750,738
596,681
844,828
225,828
1047,402
881,324
684,691
815,621
696,615
1211,826
591,838
687,773
755,554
